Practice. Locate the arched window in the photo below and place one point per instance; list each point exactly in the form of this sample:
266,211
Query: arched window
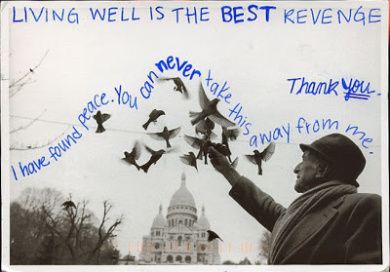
179,258
169,259
185,222
179,240
188,259
203,235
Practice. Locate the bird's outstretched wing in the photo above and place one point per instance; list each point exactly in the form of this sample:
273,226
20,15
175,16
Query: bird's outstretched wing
136,150
231,134
173,133
185,91
193,141
268,152
251,158
186,159
156,136
212,236
203,100
151,151
105,117
221,120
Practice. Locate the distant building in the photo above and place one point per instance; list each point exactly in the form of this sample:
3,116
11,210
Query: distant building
180,237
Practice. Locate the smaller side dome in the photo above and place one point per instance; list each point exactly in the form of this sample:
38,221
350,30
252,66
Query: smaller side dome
159,220
203,222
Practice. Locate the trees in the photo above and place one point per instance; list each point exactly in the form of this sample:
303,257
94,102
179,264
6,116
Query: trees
264,246
44,233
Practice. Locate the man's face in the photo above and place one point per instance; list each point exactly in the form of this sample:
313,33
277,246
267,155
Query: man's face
306,173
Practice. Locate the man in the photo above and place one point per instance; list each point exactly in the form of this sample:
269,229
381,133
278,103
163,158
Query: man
330,223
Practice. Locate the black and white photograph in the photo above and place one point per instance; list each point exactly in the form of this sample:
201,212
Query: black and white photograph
200,135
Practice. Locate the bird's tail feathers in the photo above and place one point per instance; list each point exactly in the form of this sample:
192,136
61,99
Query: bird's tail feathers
100,129
145,126
145,167
194,114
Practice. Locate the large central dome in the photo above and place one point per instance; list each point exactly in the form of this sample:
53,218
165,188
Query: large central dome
182,197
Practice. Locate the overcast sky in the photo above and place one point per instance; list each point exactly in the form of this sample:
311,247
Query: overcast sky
255,59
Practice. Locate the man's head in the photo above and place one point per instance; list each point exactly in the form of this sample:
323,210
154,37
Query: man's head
332,157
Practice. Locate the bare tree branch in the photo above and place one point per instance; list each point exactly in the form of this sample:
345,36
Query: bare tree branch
28,124
32,147
30,71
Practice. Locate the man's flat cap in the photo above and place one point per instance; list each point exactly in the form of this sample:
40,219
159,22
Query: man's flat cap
342,153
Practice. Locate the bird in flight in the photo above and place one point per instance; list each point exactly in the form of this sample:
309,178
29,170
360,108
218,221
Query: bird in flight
100,119
68,204
258,157
205,127
189,159
200,144
165,135
179,86
155,156
229,134
212,236
235,163
209,109
153,117
134,155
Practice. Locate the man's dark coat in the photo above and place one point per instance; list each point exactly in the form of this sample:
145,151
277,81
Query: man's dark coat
344,231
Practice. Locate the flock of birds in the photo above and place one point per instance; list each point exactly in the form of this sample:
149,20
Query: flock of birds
204,122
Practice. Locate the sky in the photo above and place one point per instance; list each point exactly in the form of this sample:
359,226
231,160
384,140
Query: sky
255,61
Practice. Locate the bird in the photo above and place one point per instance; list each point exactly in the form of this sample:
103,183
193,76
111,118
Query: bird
212,236
153,117
209,109
133,156
229,134
165,135
200,144
156,155
189,159
100,119
258,157
68,204
235,163
205,127
31,70
179,86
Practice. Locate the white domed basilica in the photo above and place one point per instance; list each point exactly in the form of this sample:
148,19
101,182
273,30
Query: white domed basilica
180,237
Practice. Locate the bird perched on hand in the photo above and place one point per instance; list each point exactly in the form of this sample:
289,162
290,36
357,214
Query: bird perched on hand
209,109
153,117
258,157
235,163
100,119
134,155
200,144
68,204
205,127
156,155
179,85
189,159
165,135
229,134
212,236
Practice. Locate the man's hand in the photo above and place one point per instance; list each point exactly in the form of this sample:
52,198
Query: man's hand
222,165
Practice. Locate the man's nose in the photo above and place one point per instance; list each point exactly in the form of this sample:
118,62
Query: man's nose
296,169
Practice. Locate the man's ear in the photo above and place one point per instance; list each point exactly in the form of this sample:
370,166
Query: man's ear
322,170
